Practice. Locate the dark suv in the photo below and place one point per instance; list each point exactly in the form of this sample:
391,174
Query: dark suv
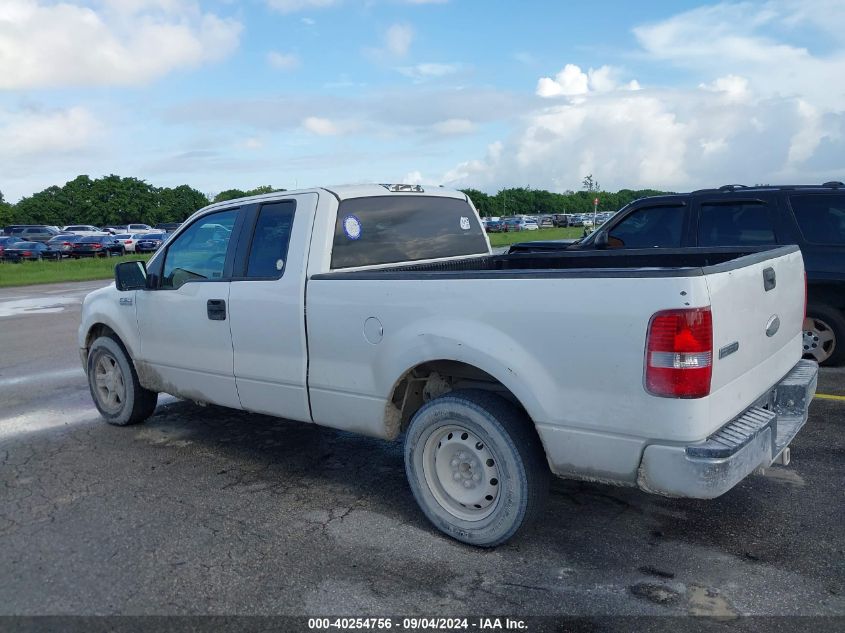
811,216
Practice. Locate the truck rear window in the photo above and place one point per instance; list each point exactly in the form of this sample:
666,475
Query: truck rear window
394,229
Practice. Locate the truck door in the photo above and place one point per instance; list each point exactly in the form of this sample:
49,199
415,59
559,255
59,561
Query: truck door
184,319
267,302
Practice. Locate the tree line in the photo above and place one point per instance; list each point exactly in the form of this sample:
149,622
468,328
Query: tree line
116,200
528,201
112,200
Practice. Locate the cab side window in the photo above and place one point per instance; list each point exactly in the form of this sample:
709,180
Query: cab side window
746,223
269,248
648,227
200,252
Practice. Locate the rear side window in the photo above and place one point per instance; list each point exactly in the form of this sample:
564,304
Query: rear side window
735,224
269,248
821,218
393,229
648,227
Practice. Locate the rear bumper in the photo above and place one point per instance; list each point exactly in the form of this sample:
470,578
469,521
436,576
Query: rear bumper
752,440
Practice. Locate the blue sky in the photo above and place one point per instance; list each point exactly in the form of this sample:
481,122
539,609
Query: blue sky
221,93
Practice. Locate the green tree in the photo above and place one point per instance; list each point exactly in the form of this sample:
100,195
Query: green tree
232,194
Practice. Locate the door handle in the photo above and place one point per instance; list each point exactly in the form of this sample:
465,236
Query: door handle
216,309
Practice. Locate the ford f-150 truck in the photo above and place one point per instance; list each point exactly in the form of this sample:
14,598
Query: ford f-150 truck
380,309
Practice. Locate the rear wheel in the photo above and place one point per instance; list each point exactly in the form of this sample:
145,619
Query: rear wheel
824,334
114,385
475,466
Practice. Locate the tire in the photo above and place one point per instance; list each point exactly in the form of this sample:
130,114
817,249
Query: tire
494,479
114,386
824,334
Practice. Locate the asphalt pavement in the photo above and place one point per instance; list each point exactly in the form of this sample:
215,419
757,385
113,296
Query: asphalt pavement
208,511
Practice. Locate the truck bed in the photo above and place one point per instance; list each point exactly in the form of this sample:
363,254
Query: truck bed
686,262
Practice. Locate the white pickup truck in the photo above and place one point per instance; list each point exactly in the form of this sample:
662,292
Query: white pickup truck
380,309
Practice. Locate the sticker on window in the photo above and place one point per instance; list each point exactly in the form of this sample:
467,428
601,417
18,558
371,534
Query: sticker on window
465,223
352,227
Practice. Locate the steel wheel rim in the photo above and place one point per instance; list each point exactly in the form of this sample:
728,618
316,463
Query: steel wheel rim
109,383
462,473
819,340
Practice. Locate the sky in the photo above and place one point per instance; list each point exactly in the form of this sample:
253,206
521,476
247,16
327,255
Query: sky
222,94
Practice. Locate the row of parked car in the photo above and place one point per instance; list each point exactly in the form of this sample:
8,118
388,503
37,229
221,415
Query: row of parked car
70,245
532,223
44,232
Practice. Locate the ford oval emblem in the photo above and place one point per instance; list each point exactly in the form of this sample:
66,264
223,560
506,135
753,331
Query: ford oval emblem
772,326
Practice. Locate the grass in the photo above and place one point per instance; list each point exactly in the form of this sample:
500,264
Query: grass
50,272
506,239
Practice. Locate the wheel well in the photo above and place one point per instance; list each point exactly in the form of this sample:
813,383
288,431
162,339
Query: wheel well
829,294
101,329
431,379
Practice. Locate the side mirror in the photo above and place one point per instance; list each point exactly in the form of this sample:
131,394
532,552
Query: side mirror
601,240
130,276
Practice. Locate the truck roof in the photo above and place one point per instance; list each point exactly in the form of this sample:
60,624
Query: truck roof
345,192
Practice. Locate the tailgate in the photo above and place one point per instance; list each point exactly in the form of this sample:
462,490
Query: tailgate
757,304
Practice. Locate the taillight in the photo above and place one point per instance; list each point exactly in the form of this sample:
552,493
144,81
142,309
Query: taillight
27,253
98,246
127,241
679,353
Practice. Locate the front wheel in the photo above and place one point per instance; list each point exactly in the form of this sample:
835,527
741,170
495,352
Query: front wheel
476,466
114,385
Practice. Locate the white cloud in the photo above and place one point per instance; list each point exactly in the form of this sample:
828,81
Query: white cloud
283,61
397,40
308,21
320,126
396,43
413,178
291,6
422,72
39,133
453,127
572,81
68,44
756,108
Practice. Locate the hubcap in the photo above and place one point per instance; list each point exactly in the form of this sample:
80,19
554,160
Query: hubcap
461,472
110,386
819,341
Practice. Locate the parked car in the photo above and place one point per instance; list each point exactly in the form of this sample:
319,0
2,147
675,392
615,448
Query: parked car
560,220
8,241
34,232
64,243
150,242
84,229
24,251
546,222
811,216
493,226
102,246
167,227
384,302
138,228
128,241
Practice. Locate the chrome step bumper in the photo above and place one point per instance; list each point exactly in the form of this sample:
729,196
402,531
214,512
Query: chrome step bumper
754,439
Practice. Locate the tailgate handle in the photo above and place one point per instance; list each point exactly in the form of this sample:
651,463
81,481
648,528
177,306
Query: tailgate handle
769,279
216,309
